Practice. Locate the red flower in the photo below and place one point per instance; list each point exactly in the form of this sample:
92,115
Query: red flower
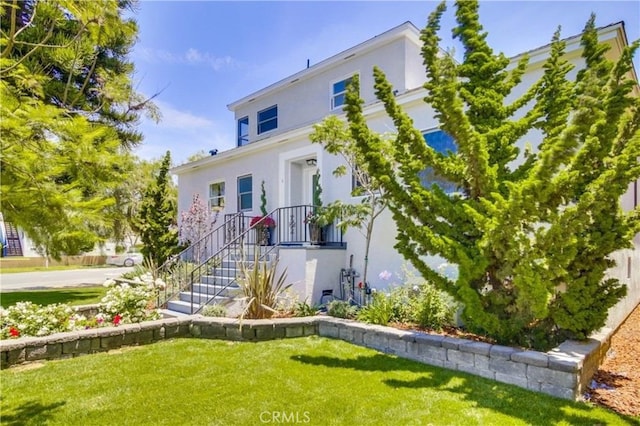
117,319
266,221
14,332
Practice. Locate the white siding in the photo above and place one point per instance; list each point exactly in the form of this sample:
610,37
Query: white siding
308,100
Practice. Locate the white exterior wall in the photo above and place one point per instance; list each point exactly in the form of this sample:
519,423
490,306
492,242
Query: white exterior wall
312,270
306,101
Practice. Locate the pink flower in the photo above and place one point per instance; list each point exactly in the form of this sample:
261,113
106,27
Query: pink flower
117,319
14,332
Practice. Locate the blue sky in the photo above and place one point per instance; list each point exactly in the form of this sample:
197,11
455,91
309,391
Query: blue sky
205,55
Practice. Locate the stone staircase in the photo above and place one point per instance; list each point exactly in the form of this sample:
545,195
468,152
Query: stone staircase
220,286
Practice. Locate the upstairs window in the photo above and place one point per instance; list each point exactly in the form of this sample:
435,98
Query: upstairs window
245,193
339,92
442,142
243,131
268,119
216,196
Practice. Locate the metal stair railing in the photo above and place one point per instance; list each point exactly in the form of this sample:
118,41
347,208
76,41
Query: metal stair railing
176,271
251,245
239,239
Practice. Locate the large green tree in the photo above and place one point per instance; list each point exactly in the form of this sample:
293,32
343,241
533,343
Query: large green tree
128,196
156,221
530,231
68,117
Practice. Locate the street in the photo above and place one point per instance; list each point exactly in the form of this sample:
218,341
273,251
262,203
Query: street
68,278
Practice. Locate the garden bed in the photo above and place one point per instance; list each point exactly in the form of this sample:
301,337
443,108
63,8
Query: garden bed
616,384
563,372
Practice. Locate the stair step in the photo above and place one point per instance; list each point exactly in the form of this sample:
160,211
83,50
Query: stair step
180,306
199,298
211,289
184,306
217,280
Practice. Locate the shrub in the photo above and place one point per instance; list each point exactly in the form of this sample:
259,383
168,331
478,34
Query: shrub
379,311
304,309
215,310
130,303
123,303
402,299
431,308
29,319
341,309
261,289
138,270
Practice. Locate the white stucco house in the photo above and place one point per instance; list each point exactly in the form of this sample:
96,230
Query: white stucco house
272,145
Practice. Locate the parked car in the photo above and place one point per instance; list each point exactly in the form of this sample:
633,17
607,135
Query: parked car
125,259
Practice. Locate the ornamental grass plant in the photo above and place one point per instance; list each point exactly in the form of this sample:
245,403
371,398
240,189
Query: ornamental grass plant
261,286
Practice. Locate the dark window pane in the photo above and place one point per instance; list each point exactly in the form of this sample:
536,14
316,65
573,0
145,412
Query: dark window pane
244,184
268,125
268,119
243,131
246,202
442,143
268,113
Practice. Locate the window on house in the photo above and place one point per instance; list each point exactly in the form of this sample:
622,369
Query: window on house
268,119
442,143
339,92
243,131
216,195
245,193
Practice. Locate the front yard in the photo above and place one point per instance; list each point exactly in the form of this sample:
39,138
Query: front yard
308,380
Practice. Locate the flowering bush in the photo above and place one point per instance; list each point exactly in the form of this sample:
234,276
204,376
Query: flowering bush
124,303
29,319
130,303
265,221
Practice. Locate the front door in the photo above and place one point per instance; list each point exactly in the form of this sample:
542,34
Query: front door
308,176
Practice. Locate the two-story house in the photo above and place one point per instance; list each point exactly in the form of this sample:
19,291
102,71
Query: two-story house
273,127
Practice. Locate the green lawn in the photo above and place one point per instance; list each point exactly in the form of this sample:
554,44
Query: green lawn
311,380
71,296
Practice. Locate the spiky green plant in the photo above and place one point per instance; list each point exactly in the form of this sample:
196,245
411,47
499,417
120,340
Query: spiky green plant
261,286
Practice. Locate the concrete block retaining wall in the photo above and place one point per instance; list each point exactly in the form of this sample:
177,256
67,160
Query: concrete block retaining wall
562,372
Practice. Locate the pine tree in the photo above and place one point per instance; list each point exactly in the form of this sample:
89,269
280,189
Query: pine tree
68,117
156,220
530,242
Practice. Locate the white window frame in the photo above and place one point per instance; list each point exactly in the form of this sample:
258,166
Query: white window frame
217,202
240,207
242,139
333,95
262,122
